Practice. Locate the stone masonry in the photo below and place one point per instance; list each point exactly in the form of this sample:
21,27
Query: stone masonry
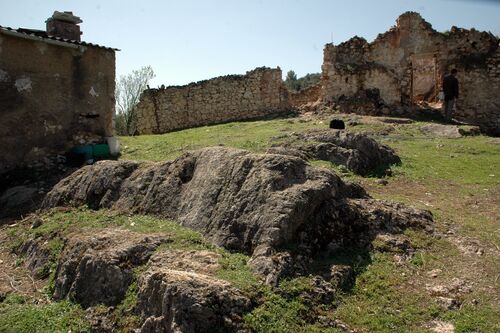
55,93
304,96
257,94
406,65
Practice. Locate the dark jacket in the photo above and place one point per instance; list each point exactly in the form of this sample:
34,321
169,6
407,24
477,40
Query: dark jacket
450,87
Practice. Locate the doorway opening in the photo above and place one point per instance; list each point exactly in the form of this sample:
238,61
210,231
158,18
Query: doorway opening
425,80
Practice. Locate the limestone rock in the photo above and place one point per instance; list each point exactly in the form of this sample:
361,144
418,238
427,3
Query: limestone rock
179,301
237,199
17,199
358,152
395,120
377,216
442,327
341,276
397,243
449,131
178,293
271,264
37,257
97,269
251,203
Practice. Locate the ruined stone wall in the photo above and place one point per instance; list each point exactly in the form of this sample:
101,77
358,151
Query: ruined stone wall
52,97
407,63
304,96
479,93
257,94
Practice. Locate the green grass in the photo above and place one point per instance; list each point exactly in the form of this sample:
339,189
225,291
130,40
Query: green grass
469,318
464,161
19,316
235,269
277,315
59,223
378,304
254,136
125,312
294,287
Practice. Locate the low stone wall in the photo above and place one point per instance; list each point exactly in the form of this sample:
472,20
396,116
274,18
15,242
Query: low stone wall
257,94
304,96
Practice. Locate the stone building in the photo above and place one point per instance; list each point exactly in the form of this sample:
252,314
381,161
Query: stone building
257,94
405,66
55,91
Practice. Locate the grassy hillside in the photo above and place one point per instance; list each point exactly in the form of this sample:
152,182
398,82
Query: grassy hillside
456,179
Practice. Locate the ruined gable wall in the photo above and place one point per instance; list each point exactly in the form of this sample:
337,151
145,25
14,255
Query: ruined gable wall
257,94
411,35
52,97
392,63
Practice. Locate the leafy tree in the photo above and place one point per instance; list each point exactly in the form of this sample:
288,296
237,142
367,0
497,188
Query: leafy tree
291,76
128,90
291,81
294,84
309,80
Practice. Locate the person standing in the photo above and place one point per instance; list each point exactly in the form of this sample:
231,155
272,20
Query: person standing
450,90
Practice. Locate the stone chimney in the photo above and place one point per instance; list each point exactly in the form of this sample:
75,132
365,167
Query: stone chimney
65,25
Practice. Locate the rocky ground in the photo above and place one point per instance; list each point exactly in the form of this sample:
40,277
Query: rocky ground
312,230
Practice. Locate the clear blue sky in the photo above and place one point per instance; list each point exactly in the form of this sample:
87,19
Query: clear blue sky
187,40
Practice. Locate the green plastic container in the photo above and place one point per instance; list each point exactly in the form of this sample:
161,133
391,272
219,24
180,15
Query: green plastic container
85,150
100,151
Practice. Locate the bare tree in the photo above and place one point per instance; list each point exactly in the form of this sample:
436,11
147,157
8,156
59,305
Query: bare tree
128,90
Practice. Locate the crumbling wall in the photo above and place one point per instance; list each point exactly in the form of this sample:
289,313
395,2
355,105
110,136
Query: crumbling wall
407,63
304,96
52,96
345,75
479,91
257,94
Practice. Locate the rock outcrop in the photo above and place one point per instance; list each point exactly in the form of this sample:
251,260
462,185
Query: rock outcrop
237,199
358,152
179,301
97,269
176,289
258,204
251,203
449,131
